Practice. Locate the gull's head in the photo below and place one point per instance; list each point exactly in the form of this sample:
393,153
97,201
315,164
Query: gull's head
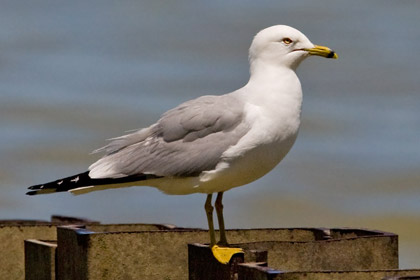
282,45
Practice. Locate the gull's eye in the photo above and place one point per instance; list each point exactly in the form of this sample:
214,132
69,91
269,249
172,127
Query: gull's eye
287,41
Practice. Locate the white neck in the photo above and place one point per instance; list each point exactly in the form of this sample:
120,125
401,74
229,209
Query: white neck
275,89
273,78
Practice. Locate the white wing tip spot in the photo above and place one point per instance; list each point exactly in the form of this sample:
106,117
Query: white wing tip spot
75,180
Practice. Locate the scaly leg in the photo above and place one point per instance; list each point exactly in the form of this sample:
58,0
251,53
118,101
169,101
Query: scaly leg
219,210
209,212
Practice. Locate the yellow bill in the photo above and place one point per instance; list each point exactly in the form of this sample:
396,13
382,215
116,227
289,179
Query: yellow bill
322,51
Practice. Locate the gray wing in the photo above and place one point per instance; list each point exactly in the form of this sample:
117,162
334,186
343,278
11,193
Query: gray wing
186,140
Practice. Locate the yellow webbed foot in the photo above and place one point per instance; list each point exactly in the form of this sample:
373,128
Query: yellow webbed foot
224,254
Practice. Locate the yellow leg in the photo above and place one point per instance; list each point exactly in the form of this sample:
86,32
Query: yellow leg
209,212
222,254
219,210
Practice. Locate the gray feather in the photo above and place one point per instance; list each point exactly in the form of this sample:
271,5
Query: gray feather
186,140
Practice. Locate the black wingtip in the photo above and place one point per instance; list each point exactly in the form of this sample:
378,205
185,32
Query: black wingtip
61,185
34,187
31,192
81,180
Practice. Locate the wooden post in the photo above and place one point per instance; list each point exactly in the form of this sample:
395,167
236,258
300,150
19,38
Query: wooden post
203,266
40,259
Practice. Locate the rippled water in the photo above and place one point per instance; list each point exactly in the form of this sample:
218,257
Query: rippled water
75,73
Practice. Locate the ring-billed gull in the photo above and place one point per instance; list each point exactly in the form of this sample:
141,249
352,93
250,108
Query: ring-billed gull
213,143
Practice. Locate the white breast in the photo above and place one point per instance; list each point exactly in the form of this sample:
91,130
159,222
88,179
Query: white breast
274,130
